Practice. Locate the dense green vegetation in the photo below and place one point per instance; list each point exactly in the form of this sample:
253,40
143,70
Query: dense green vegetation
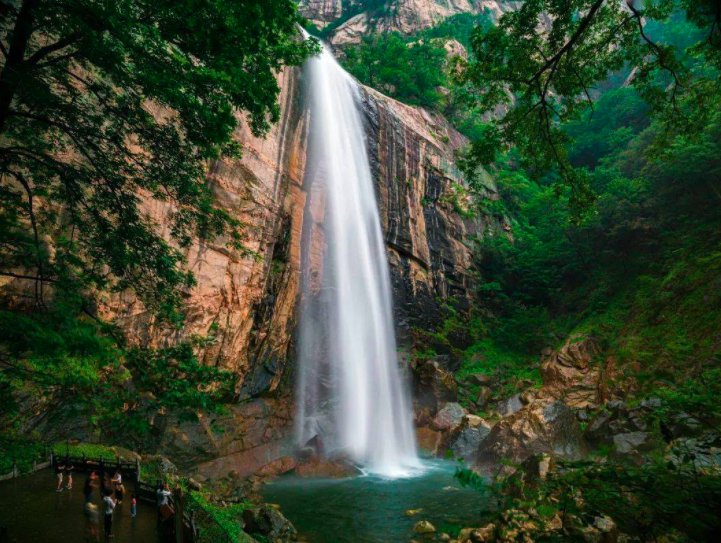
101,103
615,235
670,50
418,69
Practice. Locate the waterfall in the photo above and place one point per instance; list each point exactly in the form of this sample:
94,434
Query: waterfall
351,398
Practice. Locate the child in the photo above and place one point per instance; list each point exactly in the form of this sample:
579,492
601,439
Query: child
134,506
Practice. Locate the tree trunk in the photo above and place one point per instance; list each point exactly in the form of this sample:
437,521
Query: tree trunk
13,71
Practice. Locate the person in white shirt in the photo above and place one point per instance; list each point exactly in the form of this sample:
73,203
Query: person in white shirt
109,505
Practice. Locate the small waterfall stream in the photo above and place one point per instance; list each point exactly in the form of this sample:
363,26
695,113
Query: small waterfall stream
351,398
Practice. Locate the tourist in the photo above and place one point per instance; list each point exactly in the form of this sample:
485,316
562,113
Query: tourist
109,503
91,482
92,518
164,495
118,486
59,469
69,474
134,506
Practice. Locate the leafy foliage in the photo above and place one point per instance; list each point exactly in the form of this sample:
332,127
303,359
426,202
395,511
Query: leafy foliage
391,63
544,79
104,107
416,69
104,103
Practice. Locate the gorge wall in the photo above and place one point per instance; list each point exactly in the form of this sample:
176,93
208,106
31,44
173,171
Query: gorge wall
247,301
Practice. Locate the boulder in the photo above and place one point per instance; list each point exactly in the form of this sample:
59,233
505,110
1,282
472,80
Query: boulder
509,406
478,535
602,530
270,523
703,451
474,421
543,426
466,439
620,426
569,373
632,442
683,425
424,527
449,417
433,386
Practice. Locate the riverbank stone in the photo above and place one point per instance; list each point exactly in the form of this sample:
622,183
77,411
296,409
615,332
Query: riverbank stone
424,527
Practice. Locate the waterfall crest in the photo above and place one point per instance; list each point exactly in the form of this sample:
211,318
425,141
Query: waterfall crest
351,397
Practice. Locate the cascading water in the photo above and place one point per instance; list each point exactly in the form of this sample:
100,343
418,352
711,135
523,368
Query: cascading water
351,397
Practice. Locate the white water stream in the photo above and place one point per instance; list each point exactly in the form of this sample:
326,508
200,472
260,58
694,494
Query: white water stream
351,398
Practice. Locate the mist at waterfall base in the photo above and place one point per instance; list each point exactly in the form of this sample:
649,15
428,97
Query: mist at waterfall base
351,398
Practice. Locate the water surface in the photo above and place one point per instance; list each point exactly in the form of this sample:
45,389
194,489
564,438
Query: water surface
33,512
370,509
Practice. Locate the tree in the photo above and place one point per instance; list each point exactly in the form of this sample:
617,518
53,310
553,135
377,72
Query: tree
411,71
542,61
106,102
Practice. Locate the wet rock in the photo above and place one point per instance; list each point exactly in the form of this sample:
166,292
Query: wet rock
444,537
478,535
270,523
321,467
284,464
429,440
424,527
543,426
412,512
449,417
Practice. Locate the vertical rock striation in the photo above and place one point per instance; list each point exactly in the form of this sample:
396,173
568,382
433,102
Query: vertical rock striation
424,207
247,300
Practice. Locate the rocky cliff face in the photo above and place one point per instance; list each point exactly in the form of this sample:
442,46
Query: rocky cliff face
248,301
405,16
422,204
